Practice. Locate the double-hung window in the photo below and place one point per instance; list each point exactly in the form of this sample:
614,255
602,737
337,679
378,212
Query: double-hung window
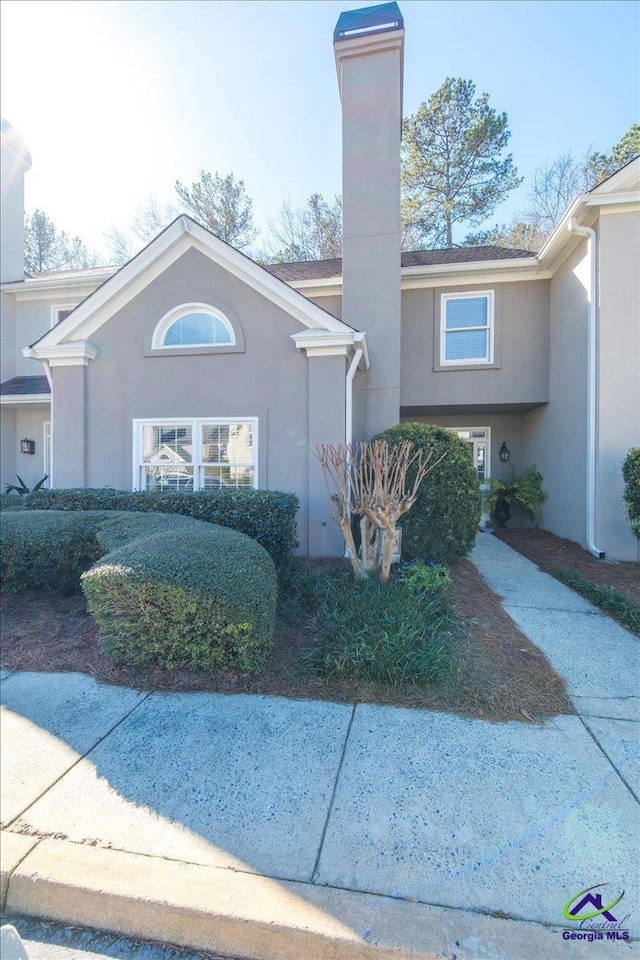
195,454
466,328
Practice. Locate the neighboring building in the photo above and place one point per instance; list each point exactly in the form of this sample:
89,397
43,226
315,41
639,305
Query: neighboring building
194,367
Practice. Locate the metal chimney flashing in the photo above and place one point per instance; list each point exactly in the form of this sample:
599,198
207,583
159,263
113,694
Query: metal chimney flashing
368,20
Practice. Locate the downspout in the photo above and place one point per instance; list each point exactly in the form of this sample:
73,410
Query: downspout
47,370
592,385
351,372
348,426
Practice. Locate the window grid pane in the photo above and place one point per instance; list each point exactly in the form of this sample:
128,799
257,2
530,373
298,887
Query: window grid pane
167,478
467,312
162,443
466,345
216,478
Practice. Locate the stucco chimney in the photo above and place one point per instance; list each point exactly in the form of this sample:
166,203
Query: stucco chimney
15,163
368,46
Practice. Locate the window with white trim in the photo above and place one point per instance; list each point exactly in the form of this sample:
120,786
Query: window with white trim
61,312
196,454
193,325
466,328
479,438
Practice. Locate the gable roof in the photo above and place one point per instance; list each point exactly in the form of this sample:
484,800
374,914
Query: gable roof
181,235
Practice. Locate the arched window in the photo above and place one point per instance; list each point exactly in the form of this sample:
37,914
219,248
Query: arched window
193,325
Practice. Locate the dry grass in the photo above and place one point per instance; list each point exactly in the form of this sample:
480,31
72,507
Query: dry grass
499,675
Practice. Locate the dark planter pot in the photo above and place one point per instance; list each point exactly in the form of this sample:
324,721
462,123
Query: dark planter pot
501,513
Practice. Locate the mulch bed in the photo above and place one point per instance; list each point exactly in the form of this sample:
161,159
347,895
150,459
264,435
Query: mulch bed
499,674
553,554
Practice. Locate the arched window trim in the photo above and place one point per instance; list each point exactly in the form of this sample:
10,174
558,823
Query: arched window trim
183,310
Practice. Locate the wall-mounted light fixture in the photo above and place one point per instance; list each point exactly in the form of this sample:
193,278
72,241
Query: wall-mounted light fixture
504,453
27,446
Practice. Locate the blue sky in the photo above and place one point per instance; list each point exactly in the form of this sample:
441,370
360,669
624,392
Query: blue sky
116,100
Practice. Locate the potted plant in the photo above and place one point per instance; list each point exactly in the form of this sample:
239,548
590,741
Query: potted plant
525,491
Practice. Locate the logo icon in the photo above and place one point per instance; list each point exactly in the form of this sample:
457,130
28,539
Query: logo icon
587,905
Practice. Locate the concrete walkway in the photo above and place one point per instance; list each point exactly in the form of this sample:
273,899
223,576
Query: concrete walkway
269,828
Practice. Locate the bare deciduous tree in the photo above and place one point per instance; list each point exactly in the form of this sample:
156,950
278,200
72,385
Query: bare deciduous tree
369,481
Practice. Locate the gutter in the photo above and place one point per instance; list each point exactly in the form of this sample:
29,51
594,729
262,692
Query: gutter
592,386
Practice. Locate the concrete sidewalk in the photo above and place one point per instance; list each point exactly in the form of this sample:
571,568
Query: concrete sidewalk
269,828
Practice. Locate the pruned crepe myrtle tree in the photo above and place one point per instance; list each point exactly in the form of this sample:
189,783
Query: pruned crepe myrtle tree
369,481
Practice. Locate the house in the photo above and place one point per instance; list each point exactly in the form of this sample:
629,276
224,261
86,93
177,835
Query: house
193,366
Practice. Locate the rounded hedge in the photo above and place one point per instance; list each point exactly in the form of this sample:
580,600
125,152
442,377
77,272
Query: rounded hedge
443,522
163,589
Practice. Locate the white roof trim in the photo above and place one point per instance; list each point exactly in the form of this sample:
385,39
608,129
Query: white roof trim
182,235
627,177
19,398
62,354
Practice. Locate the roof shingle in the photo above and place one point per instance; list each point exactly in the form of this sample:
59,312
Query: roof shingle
324,269
24,387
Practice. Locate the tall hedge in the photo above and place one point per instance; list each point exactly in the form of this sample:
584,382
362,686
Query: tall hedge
631,475
267,516
443,522
47,550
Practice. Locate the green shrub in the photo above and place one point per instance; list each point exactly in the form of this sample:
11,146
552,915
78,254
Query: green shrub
205,600
267,516
631,475
11,501
47,549
426,579
163,589
380,633
442,523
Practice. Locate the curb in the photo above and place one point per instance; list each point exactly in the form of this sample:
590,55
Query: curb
243,914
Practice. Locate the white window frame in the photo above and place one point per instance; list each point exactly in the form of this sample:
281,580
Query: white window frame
490,327
473,441
55,311
196,424
176,313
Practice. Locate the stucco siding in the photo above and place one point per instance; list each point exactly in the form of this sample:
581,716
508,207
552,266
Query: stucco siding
28,423
519,374
270,381
618,376
555,436
8,337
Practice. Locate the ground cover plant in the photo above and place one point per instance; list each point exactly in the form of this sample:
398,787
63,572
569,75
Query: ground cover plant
614,587
395,633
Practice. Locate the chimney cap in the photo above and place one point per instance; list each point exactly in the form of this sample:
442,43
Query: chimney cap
368,20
